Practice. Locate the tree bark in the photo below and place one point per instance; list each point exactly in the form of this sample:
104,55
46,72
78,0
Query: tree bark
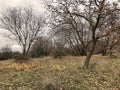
104,52
110,53
24,52
89,53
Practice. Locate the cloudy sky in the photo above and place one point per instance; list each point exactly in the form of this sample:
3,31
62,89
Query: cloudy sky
4,4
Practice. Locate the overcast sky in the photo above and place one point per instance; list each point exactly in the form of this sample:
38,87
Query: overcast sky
4,4
37,6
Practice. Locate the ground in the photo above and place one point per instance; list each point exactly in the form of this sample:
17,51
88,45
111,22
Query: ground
47,73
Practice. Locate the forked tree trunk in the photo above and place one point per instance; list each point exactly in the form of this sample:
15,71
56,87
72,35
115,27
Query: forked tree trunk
24,56
24,52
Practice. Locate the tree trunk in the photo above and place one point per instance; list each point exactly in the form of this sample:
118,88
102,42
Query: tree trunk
24,51
104,52
110,53
89,53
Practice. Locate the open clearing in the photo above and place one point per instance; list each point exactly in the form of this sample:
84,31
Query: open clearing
61,74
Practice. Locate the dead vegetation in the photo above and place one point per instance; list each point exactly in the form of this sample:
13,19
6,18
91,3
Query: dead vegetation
61,74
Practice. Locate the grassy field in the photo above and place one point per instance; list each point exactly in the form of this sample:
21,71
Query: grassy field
60,74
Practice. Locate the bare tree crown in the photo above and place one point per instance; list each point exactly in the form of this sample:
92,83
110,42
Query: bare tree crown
23,25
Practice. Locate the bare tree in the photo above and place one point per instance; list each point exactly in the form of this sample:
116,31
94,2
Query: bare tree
88,20
23,25
108,43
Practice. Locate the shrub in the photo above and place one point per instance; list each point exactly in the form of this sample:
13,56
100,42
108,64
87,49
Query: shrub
6,53
39,51
21,58
41,47
3,56
112,56
93,66
57,53
15,54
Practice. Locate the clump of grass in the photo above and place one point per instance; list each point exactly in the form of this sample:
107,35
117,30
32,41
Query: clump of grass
112,56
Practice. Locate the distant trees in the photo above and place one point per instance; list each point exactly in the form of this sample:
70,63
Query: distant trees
44,47
23,25
41,47
84,22
6,53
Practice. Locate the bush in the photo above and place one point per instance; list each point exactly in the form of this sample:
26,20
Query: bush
112,56
57,53
39,51
41,47
21,57
93,66
6,55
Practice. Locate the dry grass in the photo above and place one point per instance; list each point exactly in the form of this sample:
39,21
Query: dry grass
61,74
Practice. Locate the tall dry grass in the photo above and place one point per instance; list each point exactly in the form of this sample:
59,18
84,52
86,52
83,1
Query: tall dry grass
62,74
